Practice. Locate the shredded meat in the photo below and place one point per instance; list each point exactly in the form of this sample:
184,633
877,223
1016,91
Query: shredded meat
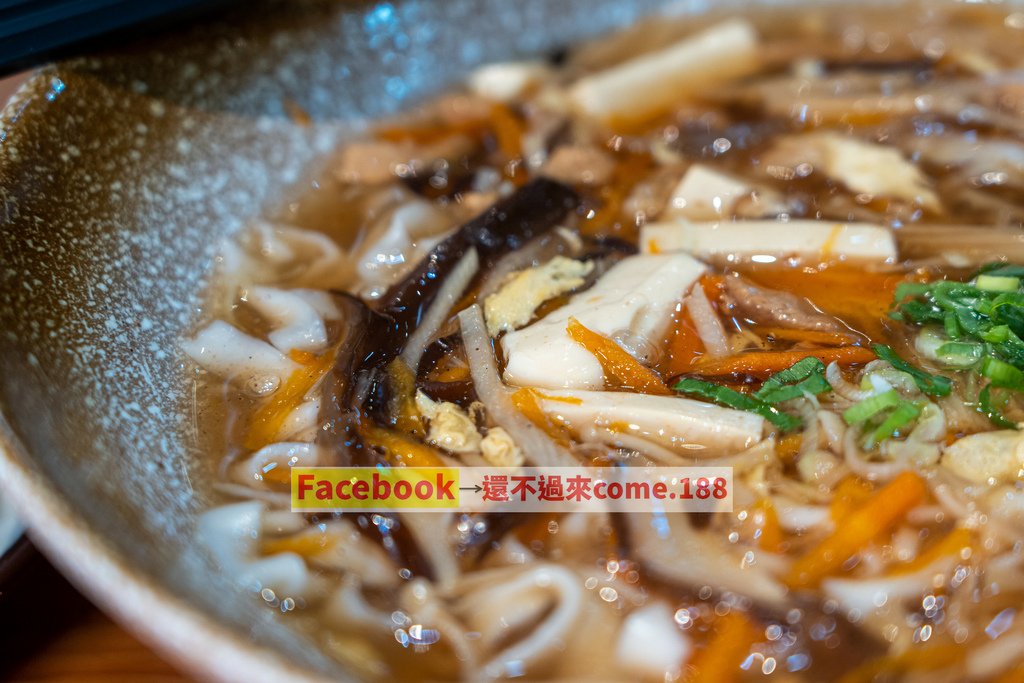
763,306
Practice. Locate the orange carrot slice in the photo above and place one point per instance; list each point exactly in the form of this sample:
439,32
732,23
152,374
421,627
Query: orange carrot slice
878,514
806,336
952,544
762,364
269,418
621,370
400,450
685,348
720,661
771,537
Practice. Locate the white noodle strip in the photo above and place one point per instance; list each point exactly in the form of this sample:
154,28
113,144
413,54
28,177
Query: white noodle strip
276,456
537,447
845,389
278,500
551,581
302,423
421,600
834,429
654,451
454,285
431,533
296,323
231,534
872,471
797,518
228,352
670,548
866,595
709,327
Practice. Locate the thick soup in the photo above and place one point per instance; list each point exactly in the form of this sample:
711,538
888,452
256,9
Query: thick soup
789,244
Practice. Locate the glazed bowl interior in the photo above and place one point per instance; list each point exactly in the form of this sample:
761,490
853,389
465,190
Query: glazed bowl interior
119,176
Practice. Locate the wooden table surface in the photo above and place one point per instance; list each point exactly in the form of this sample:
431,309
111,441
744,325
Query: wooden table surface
94,650
50,633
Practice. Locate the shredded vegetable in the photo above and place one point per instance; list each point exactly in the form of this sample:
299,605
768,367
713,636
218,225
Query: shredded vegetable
933,385
992,407
720,661
900,417
878,514
730,398
806,376
765,363
871,406
270,418
621,370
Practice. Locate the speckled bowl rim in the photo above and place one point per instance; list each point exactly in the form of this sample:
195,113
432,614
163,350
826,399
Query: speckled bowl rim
186,637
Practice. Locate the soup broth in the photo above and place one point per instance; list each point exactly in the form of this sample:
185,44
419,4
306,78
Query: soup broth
825,200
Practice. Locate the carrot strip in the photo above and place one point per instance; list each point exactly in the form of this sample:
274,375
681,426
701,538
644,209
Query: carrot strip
879,514
788,446
859,297
269,418
805,336
508,131
306,545
527,401
765,363
401,451
720,661
609,217
621,370
1014,675
429,133
850,494
933,656
302,357
951,545
402,383
771,537
685,347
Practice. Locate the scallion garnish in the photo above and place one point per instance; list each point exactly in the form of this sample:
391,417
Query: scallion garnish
904,414
730,398
933,385
871,406
997,283
960,354
806,376
1001,373
992,407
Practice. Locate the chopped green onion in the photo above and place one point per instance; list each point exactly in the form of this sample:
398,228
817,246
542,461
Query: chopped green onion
960,354
992,408
730,398
996,335
904,414
997,283
951,326
1001,270
803,377
907,289
1008,309
871,406
933,385
1002,373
